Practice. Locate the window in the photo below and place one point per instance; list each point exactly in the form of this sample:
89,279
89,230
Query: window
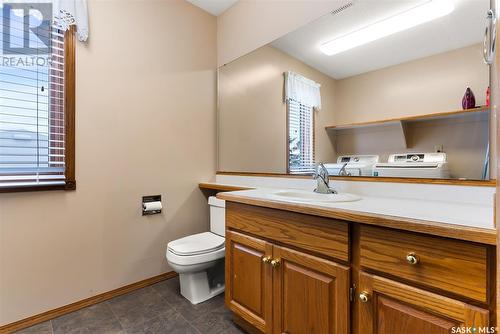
37,89
303,98
300,138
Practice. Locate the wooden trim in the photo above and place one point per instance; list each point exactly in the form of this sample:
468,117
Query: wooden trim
42,187
220,187
492,283
409,119
51,314
455,182
33,188
69,105
245,325
69,119
474,234
452,182
265,174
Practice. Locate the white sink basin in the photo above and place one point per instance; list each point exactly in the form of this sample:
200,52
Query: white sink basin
312,197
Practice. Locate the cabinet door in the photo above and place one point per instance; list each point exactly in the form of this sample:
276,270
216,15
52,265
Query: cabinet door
389,307
249,279
311,295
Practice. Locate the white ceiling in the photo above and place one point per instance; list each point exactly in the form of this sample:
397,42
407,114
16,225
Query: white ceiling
214,7
463,27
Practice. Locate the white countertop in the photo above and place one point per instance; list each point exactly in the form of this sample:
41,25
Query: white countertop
470,215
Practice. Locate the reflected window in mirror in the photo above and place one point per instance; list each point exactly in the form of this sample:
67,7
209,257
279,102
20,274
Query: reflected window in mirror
303,97
300,137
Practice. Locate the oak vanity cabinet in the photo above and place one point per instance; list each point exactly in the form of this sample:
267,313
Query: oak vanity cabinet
389,307
249,279
278,289
310,294
295,273
449,271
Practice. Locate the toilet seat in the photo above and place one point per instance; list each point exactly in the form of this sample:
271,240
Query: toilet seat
196,249
196,244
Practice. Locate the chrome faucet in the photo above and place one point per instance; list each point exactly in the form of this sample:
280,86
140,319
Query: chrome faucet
343,171
323,182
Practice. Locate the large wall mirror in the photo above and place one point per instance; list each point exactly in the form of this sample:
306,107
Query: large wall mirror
375,88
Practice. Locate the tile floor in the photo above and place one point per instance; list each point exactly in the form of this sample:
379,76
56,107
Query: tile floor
158,308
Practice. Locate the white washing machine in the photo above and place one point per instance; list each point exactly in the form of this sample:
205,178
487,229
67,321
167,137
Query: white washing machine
355,165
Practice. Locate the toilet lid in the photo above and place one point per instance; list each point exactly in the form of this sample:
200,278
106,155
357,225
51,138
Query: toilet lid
196,244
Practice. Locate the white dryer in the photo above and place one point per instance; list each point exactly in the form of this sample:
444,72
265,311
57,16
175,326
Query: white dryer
418,165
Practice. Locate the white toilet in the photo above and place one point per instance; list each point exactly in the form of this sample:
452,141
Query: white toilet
199,258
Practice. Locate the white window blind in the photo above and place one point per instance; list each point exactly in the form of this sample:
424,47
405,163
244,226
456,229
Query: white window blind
301,137
32,122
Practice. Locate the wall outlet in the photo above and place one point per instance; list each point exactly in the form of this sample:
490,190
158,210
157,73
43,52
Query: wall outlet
438,148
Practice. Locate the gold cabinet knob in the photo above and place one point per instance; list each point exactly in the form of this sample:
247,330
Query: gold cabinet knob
275,263
266,259
364,297
412,259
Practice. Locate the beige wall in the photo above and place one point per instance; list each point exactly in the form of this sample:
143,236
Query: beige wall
250,24
145,124
428,85
252,114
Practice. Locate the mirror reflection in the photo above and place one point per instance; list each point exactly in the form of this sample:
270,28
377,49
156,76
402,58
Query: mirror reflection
375,88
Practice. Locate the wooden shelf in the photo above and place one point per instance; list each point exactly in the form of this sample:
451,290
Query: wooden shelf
220,187
427,117
401,123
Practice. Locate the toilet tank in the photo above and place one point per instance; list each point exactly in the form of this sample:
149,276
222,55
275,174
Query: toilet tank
217,215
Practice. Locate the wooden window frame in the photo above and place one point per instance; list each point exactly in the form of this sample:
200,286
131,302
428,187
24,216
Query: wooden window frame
69,120
287,142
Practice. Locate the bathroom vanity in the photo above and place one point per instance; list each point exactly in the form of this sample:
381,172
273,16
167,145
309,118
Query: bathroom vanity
298,268
417,253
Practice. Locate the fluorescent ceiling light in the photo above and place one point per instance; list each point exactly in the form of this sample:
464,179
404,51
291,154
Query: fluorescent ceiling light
423,13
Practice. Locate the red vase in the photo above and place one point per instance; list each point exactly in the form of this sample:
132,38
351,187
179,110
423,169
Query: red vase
469,100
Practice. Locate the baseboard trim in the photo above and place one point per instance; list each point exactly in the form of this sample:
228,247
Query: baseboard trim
51,314
245,326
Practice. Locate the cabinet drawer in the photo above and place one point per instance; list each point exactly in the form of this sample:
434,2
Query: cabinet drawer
325,236
450,265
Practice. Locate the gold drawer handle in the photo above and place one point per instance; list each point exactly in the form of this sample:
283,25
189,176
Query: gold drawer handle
266,259
275,263
364,297
412,259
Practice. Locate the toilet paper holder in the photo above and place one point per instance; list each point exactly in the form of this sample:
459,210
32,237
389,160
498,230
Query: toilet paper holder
148,205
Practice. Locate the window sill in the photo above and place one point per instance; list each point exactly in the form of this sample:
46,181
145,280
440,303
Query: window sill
70,185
